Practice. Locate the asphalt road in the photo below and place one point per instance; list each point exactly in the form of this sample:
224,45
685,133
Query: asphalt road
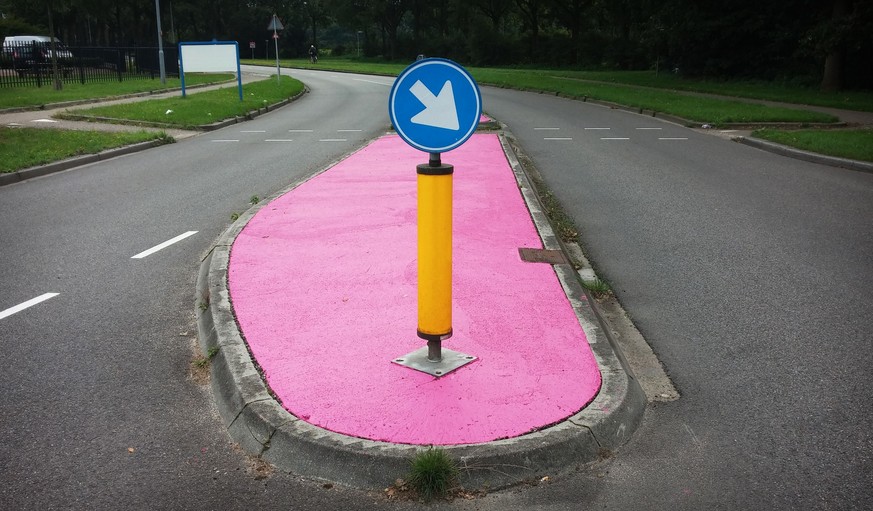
748,273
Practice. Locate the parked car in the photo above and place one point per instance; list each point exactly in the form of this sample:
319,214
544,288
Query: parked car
30,51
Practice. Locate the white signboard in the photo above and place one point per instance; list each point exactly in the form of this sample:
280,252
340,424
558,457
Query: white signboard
209,57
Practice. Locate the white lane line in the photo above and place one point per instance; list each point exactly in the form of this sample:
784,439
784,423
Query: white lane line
253,131
598,128
546,129
349,131
673,138
225,140
648,128
279,140
333,140
371,81
43,120
614,138
164,245
557,138
30,303
299,131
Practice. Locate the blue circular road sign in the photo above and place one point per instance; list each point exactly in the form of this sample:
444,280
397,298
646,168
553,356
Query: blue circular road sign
435,105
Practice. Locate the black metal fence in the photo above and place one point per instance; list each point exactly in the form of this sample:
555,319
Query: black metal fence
29,64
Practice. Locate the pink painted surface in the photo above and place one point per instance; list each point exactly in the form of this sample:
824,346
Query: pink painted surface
323,282
484,118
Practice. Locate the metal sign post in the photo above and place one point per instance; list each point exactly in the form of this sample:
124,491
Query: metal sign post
435,107
276,25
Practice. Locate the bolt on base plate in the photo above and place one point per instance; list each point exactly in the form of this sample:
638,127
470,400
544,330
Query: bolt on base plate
451,360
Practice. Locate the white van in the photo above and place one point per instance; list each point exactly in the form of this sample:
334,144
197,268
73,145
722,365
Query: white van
28,50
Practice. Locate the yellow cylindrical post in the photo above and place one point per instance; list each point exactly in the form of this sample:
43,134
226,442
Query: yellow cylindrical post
434,254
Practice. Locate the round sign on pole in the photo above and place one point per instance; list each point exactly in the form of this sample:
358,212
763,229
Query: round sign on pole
435,105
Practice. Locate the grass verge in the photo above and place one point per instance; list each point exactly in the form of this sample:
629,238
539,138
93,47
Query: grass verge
21,148
693,108
624,88
38,96
851,144
200,108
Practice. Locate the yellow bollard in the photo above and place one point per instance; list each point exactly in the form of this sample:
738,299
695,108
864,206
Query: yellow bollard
434,255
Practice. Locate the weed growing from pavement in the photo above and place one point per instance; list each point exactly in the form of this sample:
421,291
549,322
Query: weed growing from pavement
432,473
201,362
599,288
254,200
234,217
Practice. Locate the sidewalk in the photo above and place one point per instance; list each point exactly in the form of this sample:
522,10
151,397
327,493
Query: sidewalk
321,282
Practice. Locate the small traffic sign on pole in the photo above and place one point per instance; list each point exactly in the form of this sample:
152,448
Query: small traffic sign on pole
276,25
435,107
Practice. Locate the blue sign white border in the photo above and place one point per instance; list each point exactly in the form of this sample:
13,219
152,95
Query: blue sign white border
414,67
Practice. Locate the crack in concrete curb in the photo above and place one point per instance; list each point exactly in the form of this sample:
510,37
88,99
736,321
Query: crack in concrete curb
262,427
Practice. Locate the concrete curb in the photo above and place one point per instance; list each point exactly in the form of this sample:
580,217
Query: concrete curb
51,168
261,426
805,155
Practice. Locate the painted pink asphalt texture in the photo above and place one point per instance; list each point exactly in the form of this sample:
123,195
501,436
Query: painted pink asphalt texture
323,283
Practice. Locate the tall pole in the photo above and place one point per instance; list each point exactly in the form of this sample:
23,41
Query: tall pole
276,41
160,44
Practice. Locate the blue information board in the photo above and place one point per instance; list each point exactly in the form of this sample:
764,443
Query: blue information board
435,105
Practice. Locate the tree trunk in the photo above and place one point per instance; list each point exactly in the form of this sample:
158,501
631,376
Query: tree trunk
832,79
58,85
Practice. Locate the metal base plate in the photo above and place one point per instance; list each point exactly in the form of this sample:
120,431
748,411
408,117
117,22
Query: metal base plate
418,360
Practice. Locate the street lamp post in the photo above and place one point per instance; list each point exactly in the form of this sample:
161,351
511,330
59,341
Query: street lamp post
160,44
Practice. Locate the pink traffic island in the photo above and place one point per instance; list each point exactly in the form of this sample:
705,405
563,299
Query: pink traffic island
324,286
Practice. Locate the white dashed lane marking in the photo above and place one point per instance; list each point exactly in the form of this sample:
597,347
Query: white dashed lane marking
25,305
333,140
614,138
278,140
163,245
673,138
558,138
225,140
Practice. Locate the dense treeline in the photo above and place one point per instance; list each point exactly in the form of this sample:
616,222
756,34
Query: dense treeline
826,42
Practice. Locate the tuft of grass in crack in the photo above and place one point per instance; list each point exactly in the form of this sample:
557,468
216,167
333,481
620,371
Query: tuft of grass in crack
597,287
432,473
201,362
203,306
234,217
254,200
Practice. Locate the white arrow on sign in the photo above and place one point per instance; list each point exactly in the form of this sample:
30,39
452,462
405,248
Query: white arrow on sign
439,111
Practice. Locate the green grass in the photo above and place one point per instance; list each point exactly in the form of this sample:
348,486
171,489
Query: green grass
21,148
38,96
659,95
432,473
200,108
693,108
771,91
783,92
851,144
